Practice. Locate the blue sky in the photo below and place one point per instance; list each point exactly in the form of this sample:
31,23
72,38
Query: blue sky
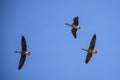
56,55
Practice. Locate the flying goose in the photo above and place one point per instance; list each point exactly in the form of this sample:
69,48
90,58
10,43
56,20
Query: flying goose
23,52
75,26
90,50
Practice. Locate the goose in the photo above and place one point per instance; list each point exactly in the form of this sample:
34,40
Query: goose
75,26
90,51
23,52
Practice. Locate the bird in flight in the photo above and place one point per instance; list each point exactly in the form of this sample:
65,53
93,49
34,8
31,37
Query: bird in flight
91,50
23,52
75,26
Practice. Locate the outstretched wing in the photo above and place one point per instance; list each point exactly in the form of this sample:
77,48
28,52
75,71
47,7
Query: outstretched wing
23,44
75,21
74,32
24,48
92,43
21,62
88,57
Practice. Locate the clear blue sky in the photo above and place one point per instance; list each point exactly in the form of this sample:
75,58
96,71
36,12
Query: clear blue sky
56,55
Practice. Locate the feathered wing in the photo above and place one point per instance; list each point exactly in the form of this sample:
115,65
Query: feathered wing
92,43
75,21
74,32
24,48
22,60
23,44
88,57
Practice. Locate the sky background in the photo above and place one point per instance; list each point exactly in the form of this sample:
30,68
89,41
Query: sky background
56,55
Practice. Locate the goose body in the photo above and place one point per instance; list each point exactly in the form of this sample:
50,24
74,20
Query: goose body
75,26
90,51
23,53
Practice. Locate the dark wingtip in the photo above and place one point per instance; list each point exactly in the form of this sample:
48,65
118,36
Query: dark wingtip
23,36
75,37
95,34
77,17
86,61
19,67
15,51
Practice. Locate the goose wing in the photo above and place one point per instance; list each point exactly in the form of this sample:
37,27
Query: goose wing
23,44
88,57
92,43
23,57
74,32
21,62
75,21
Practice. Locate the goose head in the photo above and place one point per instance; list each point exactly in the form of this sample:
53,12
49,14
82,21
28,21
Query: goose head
28,53
95,51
